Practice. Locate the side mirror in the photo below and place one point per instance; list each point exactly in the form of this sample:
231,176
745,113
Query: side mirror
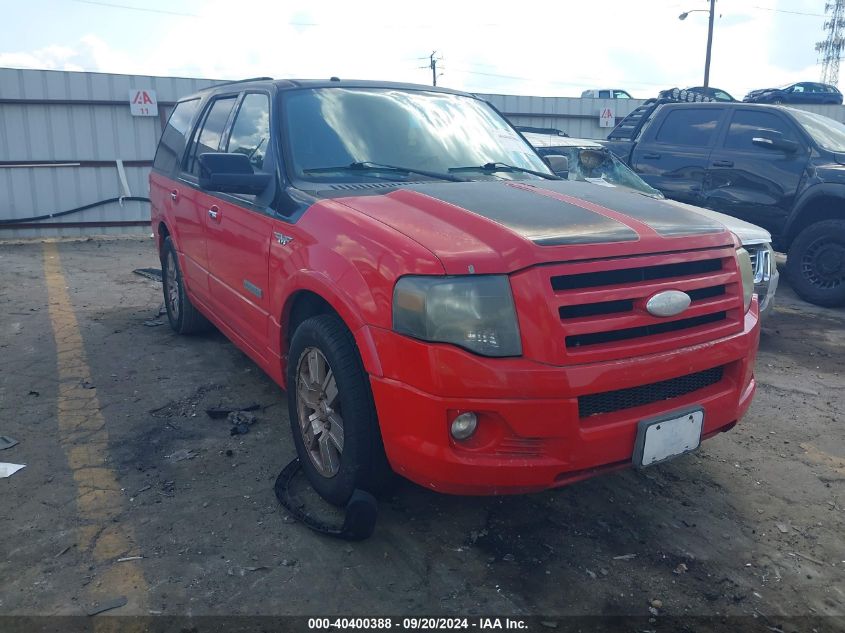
775,142
230,173
558,164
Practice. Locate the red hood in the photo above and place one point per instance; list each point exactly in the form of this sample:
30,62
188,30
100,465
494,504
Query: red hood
497,227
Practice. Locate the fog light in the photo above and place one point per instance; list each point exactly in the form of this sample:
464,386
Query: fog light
464,425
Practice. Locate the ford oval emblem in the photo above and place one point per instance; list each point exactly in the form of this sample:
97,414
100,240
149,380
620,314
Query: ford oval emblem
668,303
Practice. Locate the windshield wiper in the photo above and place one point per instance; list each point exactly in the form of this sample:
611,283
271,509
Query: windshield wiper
492,168
371,166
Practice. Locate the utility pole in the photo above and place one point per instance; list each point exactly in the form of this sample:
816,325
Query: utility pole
831,48
709,44
433,65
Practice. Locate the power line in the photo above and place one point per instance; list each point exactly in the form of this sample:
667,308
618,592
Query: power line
585,80
812,15
144,9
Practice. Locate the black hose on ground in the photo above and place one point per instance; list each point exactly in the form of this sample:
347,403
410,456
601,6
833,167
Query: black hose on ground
361,509
37,218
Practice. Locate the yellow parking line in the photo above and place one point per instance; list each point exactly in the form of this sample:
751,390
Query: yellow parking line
85,440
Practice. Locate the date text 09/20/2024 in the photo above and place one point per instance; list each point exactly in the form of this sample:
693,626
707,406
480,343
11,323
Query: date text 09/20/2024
421,623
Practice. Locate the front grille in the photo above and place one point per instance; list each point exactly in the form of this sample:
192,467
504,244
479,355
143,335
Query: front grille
760,262
632,275
643,330
610,401
601,305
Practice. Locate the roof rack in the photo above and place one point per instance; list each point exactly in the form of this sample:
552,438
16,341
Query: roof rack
236,81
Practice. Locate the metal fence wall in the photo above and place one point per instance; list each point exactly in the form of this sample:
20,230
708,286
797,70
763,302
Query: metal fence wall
63,133
61,137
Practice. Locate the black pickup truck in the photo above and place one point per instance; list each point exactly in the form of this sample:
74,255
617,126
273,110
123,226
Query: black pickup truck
777,167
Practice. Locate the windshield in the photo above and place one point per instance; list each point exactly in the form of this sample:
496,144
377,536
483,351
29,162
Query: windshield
431,132
827,132
598,166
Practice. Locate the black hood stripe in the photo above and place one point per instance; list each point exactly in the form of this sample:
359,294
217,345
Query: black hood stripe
545,220
662,217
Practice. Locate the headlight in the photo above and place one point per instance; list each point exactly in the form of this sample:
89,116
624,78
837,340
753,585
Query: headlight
743,262
475,312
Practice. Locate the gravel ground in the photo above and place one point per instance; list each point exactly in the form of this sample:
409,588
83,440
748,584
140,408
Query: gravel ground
752,524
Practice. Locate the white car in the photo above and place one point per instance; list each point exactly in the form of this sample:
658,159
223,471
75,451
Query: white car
606,93
589,161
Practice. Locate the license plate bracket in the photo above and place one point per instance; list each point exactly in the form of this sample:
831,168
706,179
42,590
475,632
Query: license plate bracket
668,436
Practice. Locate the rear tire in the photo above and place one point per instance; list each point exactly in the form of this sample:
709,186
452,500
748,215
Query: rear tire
184,318
332,413
815,263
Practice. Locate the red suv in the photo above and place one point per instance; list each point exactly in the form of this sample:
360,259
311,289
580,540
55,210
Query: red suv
434,299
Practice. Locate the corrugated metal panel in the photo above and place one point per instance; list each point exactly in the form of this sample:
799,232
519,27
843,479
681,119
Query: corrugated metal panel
77,117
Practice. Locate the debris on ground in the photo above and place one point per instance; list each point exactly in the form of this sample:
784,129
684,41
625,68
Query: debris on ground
185,407
356,522
220,412
7,470
625,557
150,273
181,455
7,442
128,558
241,421
32,392
784,529
153,323
809,558
108,605
680,569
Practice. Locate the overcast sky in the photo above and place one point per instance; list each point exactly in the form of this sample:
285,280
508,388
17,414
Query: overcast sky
541,48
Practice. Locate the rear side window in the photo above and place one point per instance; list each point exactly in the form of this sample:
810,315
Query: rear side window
747,124
175,136
604,94
209,135
690,126
251,131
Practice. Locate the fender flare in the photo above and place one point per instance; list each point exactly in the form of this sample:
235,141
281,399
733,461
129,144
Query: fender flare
832,189
320,284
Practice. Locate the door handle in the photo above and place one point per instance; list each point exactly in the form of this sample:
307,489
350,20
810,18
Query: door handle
651,156
723,163
174,195
214,213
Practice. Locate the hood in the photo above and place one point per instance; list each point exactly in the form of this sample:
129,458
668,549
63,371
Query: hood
501,226
746,232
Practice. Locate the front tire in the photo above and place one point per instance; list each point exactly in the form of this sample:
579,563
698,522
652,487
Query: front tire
816,263
184,318
332,413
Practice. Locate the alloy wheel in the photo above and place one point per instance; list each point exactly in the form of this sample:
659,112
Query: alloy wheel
319,411
172,286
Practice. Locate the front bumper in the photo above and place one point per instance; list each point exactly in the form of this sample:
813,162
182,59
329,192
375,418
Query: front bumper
530,435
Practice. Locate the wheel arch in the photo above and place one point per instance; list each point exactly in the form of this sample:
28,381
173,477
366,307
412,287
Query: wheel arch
315,296
162,233
822,202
